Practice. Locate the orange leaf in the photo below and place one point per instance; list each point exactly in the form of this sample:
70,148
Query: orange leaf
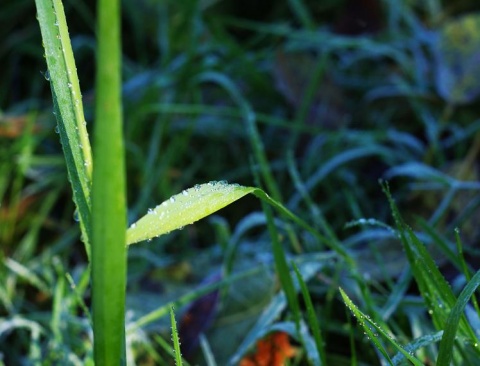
273,350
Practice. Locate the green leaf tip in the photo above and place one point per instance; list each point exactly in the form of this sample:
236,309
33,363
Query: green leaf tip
185,208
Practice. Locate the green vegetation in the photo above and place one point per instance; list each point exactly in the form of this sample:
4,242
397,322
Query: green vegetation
350,141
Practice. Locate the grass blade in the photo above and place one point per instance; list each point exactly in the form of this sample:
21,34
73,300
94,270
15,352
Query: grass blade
67,99
371,330
176,341
445,353
282,269
312,317
202,200
185,208
109,264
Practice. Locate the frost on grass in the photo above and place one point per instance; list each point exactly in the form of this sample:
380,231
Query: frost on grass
185,208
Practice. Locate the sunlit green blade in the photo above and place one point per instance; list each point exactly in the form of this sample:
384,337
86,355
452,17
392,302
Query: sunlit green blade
185,208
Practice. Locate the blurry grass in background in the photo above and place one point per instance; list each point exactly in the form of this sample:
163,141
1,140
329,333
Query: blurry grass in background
336,109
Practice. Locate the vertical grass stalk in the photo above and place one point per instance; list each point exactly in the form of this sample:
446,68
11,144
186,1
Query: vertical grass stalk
108,195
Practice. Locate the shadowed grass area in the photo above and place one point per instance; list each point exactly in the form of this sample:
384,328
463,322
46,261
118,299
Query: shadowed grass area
314,104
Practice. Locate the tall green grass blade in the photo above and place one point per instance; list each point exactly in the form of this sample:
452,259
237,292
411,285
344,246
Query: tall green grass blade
282,269
445,353
372,330
175,339
109,264
312,317
67,98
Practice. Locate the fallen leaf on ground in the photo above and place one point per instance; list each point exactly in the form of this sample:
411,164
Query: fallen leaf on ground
273,350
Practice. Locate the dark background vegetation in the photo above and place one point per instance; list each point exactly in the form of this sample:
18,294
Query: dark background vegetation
354,92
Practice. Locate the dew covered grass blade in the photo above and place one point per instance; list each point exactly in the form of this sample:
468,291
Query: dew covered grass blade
372,331
68,107
185,208
202,200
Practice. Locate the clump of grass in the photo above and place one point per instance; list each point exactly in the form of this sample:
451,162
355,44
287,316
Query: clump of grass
224,84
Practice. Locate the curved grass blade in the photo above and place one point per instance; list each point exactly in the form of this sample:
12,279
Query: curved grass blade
424,341
372,330
282,269
311,317
67,99
202,200
445,353
185,208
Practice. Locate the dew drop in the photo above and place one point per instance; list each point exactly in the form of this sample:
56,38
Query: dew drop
172,199
46,75
133,226
57,129
185,193
76,215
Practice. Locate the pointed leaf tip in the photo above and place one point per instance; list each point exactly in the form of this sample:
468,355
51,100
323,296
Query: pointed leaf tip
185,208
